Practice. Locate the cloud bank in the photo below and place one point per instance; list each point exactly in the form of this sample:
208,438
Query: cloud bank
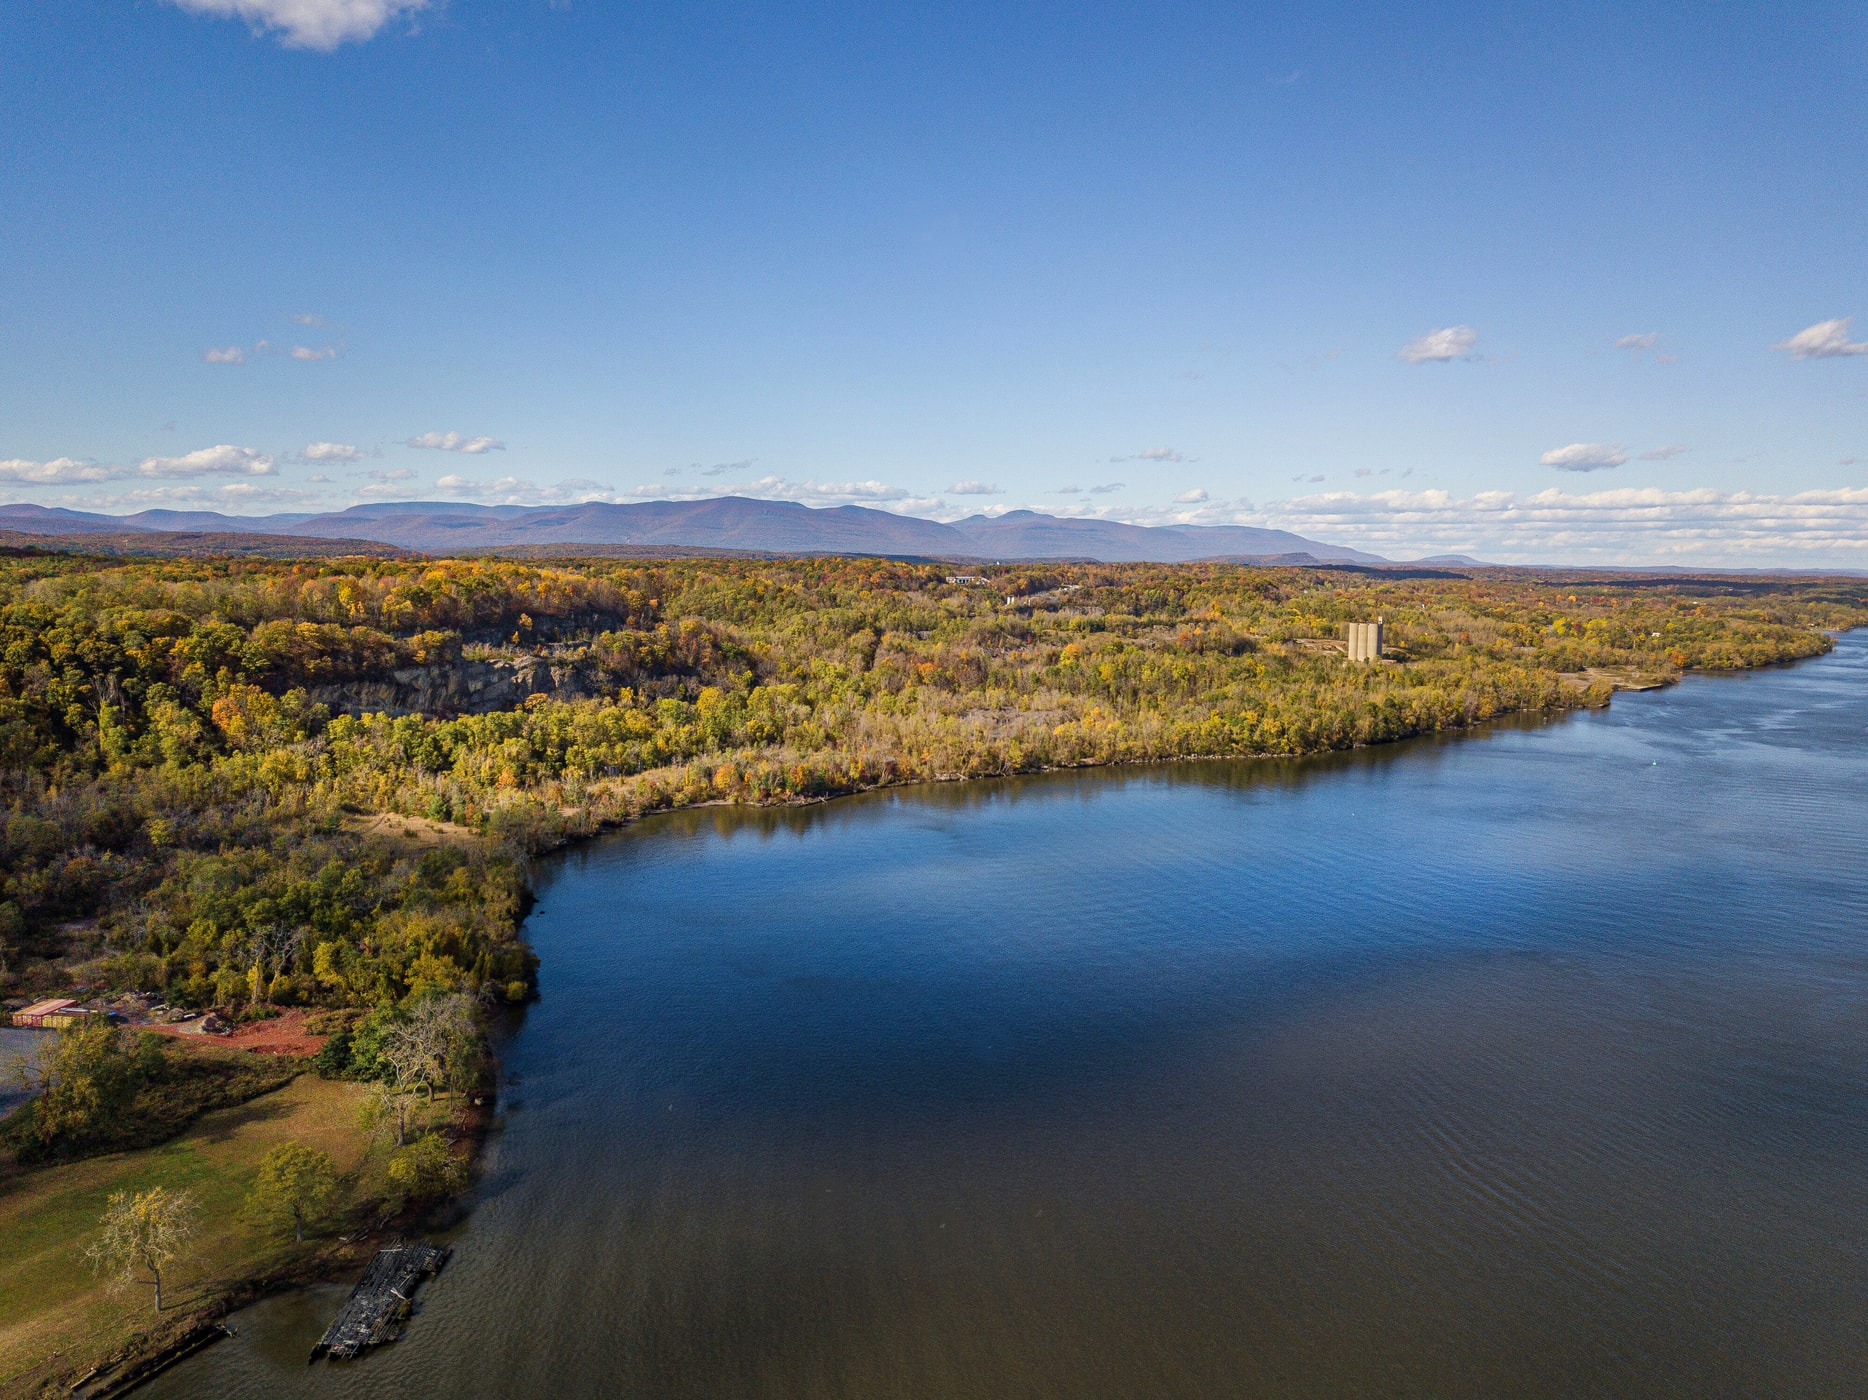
60,471
512,491
223,460
812,492
1825,528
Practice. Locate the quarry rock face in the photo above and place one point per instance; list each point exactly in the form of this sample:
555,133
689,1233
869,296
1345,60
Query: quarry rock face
460,688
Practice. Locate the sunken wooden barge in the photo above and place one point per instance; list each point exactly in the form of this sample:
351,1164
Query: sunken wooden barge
380,1303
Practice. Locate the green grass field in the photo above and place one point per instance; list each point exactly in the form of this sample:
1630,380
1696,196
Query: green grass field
55,1317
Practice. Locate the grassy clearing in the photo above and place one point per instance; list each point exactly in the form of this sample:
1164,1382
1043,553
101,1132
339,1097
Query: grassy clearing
56,1318
146,1095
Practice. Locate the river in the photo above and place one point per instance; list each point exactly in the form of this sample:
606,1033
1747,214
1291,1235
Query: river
1528,1062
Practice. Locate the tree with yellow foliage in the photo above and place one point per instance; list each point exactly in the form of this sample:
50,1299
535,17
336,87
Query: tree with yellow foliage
293,1189
144,1233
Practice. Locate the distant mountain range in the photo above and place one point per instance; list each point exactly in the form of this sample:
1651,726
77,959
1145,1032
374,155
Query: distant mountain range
725,522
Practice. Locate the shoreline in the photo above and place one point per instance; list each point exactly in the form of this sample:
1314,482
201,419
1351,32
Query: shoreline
174,1339
1618,683
608,824
118,1366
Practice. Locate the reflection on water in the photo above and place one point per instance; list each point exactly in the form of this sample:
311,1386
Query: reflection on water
1530,1063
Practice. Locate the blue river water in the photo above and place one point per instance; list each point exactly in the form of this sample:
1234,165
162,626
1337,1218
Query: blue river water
1529,1062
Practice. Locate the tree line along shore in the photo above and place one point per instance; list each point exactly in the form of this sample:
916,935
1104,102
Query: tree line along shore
303,795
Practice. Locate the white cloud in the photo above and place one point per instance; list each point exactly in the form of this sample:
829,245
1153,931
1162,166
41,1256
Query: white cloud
839,491
1585,457
811,492
1645,340
386,484
1107,487
1447,343
1239,511
308,318
224,460
1190,498
511,491
224,355
1153,454
305,352
1665,454
456,442
1822,341
460,485
974,488
330,452
60,471
308,24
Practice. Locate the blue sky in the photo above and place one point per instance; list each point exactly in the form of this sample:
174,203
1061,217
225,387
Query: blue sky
1362,276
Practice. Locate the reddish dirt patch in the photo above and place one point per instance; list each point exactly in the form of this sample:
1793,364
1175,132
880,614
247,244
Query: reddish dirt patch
285,1034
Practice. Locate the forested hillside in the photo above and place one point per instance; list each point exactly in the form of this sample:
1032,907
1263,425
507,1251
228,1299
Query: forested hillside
189,747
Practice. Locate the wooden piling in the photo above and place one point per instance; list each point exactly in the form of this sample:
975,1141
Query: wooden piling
377,1306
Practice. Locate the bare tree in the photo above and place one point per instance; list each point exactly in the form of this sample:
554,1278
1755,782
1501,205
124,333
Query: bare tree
423,1050
273,949
385,1112
143,1233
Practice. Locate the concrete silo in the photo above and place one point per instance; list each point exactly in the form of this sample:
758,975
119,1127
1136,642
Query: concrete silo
1365,640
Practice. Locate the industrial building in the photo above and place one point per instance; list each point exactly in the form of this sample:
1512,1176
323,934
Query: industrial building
51,1015
1365,640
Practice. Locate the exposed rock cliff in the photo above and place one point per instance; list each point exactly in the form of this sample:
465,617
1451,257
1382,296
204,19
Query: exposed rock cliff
460,688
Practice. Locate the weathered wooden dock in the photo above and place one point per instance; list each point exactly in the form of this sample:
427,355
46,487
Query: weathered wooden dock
374,1311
